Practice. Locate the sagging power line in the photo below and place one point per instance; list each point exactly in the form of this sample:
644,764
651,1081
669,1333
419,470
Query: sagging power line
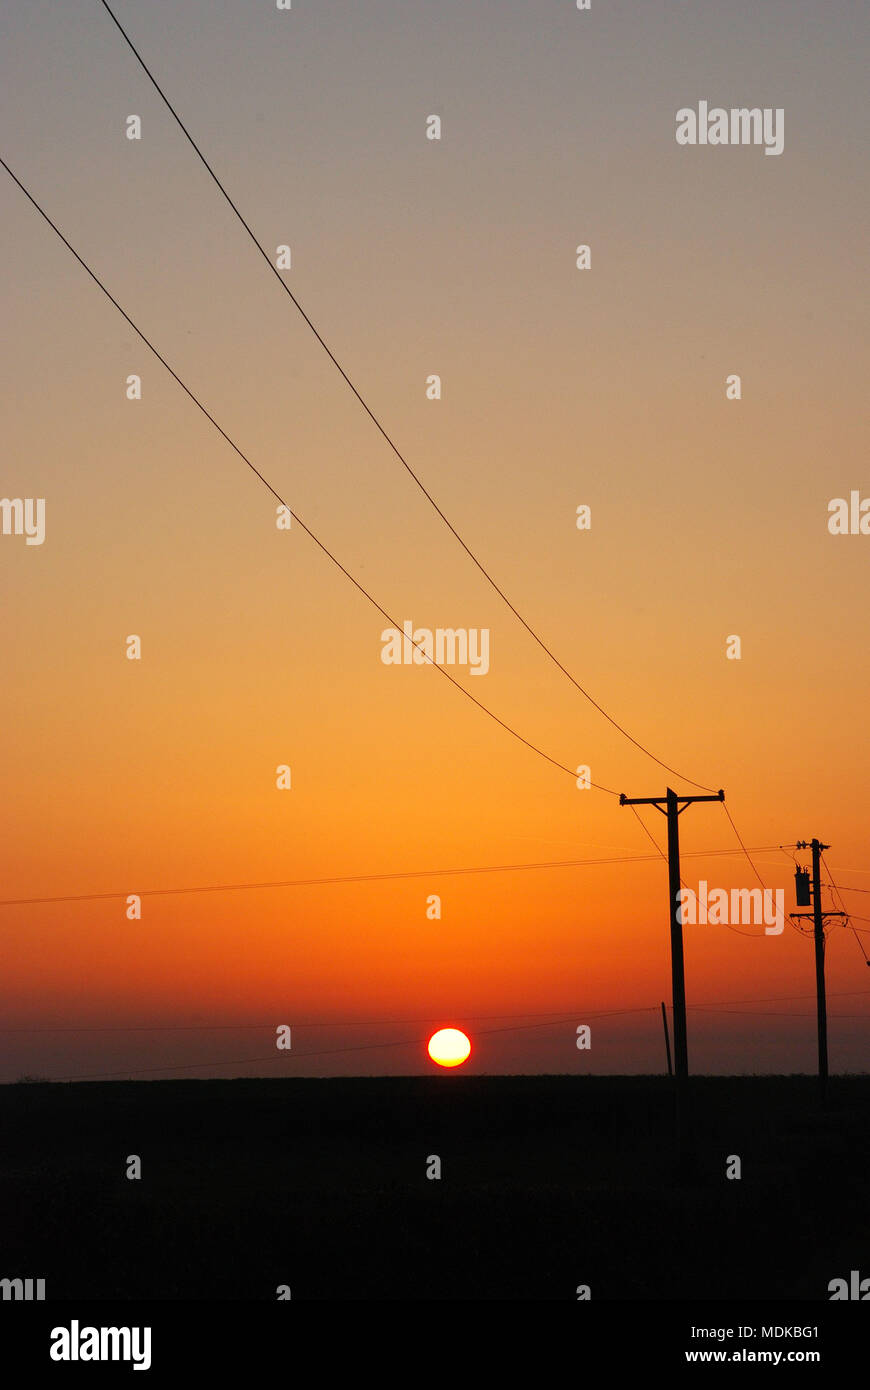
320,545
399,455
357,878
550,1021
553,1015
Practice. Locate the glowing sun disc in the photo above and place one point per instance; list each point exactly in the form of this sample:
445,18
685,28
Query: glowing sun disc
449,1047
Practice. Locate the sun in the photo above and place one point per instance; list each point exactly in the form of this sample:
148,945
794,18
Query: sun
449,1047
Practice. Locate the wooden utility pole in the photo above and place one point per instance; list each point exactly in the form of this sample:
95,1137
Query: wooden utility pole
818,917
819,943
674,809
673,806
667,1038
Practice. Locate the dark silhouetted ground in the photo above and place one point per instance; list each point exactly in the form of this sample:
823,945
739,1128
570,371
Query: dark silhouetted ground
547,1183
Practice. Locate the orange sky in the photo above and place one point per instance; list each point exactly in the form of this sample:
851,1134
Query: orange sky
560,387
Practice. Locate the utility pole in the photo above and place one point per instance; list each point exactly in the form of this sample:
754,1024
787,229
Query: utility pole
667,1038
803,898
673,806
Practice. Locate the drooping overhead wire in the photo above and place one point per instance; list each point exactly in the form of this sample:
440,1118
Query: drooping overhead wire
375,420
320,545
550,1021
737,930
355,878
743,846
555,1016
834,888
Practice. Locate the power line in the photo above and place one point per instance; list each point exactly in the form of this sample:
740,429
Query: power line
770,1013
839,889
311,534
409,1042
650,836
788,851
333,1051
353,878
751,863
328,553
737,930
555,1016
742,846
847,923
776,998
469,552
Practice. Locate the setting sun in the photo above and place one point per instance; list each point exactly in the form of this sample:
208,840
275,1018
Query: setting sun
449,1047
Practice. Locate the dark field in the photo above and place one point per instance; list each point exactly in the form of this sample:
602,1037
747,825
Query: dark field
547,1183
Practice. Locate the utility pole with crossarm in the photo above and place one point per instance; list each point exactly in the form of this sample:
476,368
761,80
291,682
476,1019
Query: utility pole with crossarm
673,806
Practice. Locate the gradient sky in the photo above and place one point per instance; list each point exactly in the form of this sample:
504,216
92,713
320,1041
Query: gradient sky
561,387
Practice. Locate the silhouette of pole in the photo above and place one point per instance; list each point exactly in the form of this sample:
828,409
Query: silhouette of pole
670,805
673,809
678,974
819,943
667,1038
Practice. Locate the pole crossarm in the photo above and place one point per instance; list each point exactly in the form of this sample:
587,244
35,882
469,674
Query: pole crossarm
661,802
824,914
